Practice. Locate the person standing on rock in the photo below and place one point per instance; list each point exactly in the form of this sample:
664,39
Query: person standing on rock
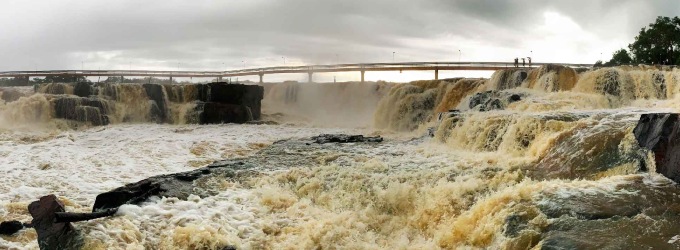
516,62
524,62
529,61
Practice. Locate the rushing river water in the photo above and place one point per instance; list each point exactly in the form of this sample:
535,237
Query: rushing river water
546,159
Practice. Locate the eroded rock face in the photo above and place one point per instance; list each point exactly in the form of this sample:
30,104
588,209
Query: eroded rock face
659,134
215,113
159,111
92,110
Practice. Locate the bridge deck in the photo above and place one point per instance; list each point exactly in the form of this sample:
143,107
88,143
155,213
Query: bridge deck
365,67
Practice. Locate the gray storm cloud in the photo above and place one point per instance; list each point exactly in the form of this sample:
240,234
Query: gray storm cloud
60,34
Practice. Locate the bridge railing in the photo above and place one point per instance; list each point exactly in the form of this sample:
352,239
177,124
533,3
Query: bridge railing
284,69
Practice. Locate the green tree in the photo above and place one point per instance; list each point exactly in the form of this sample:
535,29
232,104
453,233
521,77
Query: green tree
659,43
620,57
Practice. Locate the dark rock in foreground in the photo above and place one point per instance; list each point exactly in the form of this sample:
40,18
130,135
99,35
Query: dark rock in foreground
52,234
342,138
10,227
659,133
179,185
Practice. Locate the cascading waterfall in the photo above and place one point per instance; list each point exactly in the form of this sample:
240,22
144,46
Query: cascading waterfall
528,159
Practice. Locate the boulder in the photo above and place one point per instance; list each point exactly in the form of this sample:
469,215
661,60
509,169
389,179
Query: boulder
659,134
52,234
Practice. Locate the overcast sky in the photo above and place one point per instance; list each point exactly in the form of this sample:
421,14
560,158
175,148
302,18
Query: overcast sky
231,34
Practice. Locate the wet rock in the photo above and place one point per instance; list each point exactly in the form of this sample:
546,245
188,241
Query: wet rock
216,113
10,227
659,133
52,234
493,100
342,138
159,111
83,89
235,94
179,185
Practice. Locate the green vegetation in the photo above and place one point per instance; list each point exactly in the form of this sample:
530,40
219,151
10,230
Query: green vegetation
657,44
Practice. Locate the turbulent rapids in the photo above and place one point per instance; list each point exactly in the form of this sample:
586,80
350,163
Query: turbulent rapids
548,158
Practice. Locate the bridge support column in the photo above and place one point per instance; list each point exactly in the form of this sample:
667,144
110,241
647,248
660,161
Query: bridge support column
363,73
262,78
436,74
310,77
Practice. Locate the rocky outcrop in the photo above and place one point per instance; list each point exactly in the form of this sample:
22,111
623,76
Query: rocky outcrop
493,100
342,138
179,185
235,94
217,102
659,133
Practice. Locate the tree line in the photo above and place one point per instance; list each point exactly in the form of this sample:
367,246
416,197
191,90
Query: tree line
657,44
23,81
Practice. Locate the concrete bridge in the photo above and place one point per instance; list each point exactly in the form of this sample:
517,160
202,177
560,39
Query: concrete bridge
310,70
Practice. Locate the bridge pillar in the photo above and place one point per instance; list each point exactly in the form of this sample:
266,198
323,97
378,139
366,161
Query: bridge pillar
310,77
362,75
436,74
262,78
